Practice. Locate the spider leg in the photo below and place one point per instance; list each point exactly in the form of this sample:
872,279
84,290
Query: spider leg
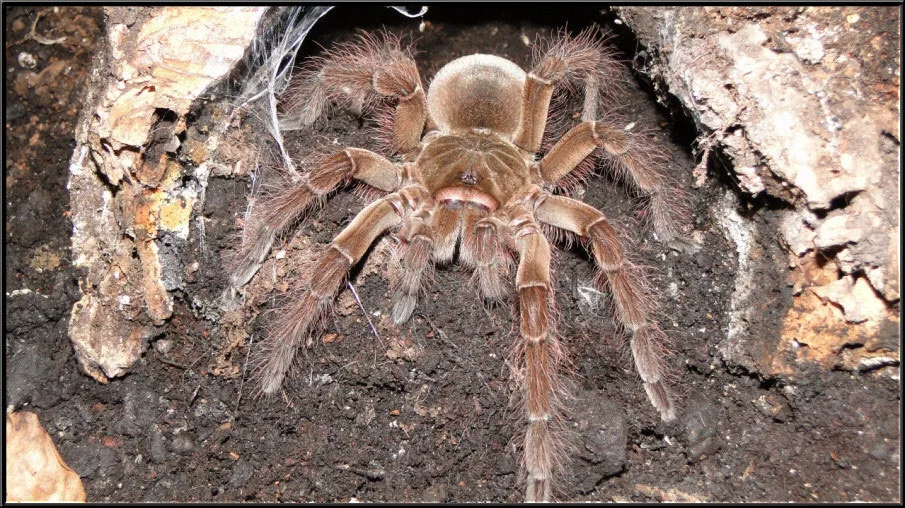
360,74
542,357
414,260
277,209
633,308
446,226
566,61
298,318
469,246
484,249
633,160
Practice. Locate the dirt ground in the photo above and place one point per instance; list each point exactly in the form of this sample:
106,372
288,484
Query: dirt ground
420,413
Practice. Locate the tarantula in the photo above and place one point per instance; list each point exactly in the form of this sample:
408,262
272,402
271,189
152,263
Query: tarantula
466,173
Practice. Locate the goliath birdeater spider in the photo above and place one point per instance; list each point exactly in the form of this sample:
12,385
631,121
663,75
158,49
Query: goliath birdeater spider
463,168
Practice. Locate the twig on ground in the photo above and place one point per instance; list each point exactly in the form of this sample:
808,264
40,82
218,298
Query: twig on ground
33,35
244,370
360,306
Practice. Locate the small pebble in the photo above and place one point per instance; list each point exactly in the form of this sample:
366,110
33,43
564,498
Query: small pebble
163,346
700,432
27,60
63,423
436,493
157,445
773,406
14,111
182,443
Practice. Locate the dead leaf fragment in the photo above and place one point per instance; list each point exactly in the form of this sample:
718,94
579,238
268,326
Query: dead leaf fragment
35,471
400,348
667,495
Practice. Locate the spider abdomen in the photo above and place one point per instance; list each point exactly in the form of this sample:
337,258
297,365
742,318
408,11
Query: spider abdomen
477,92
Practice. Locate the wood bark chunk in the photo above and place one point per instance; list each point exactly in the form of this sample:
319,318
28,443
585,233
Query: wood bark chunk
127,190
804,108
35,471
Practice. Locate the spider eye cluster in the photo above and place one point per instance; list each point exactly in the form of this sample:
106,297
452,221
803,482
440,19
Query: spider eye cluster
469,177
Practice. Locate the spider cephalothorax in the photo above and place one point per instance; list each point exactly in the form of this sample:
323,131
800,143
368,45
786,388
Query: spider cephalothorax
466,172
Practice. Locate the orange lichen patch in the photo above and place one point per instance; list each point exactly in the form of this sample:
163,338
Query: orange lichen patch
777,364
816,331
161,173
819,329
175,213
197,151
172,176
145,208
160,210
150,172
159,303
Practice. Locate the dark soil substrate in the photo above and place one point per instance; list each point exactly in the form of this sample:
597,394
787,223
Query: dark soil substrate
356,423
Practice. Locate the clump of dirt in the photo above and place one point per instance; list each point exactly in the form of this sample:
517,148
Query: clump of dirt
421,411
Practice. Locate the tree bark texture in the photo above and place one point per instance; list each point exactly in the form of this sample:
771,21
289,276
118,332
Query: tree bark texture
801,106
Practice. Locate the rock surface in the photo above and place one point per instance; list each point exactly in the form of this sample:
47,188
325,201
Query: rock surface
411,413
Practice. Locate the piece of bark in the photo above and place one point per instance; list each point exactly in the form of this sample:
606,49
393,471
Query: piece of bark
798,115
35,471
127,190
800,118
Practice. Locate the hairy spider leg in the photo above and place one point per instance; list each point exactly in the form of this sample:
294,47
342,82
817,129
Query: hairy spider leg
275,210
632,159
489,255
413,257
360,75
304,312
633,309
564,61
541,356
446,225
